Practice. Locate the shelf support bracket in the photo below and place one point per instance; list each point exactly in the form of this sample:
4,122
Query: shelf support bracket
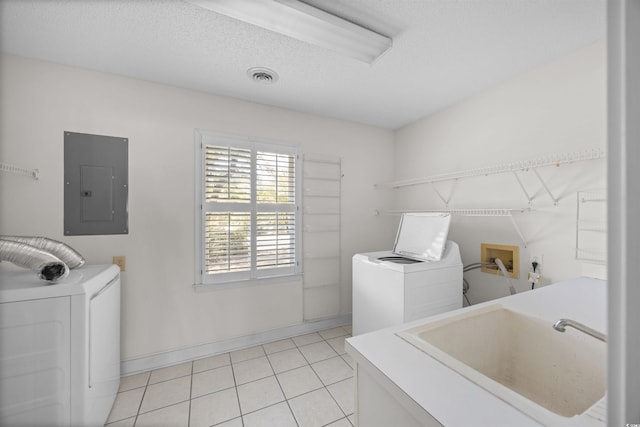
544,185
445,201
515,225
524,190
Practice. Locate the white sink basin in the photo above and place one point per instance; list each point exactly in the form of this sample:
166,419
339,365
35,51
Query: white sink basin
548,375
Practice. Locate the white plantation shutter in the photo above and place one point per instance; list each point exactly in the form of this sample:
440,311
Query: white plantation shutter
228,242
275,239
227,174
249,214
275,178
276,216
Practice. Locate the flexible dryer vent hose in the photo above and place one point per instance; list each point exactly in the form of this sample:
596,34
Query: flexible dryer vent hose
64,252
48,266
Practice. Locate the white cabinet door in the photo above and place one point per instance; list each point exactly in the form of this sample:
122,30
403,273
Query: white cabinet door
104,352
35,362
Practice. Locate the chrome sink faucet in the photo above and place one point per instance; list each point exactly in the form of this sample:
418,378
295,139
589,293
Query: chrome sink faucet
562,323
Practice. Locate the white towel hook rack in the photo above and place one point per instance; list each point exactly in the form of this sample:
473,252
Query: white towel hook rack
6,167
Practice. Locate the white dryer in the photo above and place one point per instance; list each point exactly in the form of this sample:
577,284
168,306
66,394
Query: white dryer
389,289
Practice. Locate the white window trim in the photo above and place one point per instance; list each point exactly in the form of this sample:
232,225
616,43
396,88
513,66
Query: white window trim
208,282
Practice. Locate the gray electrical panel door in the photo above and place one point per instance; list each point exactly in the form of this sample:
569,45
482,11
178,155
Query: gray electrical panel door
96,180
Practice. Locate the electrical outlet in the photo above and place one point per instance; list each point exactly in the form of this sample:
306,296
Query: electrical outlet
534,278
120,261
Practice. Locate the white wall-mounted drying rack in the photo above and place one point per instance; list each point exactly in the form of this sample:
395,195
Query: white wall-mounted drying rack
6,167
511,167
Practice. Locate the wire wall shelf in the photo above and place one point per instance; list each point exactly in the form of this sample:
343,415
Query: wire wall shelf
518,166
512,168
6,167
467,212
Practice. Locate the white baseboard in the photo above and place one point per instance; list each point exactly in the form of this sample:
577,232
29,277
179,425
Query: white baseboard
186,354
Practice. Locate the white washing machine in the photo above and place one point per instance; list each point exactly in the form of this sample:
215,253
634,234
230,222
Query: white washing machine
390,290
59,347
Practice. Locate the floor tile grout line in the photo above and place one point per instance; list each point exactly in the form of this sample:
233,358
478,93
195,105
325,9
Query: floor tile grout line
325,386
337,404
170,379
235,384
336,400
166,406
142,399
217,391
162,407
335,382
305,357
283,394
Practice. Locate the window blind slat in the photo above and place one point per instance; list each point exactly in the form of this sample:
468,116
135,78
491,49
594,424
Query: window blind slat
275,239
227,241
275,178
227,174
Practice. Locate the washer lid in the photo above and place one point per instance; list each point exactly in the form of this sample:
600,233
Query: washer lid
422,236
399,259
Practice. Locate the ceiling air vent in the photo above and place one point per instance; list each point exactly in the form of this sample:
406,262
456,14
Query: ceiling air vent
262,75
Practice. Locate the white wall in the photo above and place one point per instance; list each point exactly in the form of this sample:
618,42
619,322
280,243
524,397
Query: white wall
558,108
160,310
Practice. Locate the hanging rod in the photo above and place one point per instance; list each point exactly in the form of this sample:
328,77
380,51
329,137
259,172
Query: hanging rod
551,160
6,167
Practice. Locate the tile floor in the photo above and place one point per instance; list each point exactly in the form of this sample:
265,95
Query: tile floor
305,381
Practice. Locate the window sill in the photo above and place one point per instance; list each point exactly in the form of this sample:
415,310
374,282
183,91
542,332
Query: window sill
208,287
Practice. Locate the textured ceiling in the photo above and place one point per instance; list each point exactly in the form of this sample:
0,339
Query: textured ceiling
443,50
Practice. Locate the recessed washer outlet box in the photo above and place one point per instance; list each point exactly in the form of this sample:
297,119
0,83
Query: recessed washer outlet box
509,255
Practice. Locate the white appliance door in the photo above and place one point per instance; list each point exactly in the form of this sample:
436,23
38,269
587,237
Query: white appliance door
104,352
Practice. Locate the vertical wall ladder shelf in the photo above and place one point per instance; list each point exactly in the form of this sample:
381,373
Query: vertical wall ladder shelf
591,227
322,178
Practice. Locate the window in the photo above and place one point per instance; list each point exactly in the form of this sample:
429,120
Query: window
247,209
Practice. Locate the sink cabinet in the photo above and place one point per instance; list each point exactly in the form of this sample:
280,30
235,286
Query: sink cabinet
380,403
399,383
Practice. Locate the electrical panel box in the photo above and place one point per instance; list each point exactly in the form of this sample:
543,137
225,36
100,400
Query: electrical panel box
96,181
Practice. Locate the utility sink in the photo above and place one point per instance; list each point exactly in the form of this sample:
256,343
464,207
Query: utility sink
548,375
